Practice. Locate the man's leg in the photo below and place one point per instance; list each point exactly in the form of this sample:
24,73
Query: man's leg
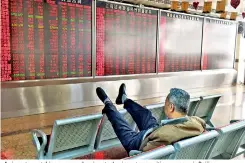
142,116
130,139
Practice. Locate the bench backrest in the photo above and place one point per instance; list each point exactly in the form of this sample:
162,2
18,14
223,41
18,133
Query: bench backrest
106,137
73,137
157,111
196,147
206,107
243,141
229,141
158,153
193,106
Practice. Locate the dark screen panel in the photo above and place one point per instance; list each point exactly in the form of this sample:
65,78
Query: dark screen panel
218,44
180,42
50,40
126,39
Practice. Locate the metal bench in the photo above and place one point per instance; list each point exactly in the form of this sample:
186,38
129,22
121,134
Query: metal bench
70,138
106,137
158,153
230,140
205,108
80,136
197,147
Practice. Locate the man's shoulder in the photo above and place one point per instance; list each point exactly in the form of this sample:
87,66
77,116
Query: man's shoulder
187,124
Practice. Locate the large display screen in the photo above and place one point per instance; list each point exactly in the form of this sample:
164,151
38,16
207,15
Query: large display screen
125,39
219,41
49,40
180,42
43,40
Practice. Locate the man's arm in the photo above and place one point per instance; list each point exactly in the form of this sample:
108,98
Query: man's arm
157,138
152,145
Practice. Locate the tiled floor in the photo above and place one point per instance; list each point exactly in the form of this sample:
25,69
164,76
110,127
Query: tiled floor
16,136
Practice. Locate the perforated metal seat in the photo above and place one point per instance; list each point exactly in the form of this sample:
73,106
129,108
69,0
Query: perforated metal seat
158,153
196,147
106,137
232,136
205,108
70,138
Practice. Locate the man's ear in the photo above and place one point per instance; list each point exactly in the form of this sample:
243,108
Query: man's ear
172,107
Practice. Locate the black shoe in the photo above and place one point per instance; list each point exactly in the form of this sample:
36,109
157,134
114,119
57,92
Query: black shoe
101,94
122,91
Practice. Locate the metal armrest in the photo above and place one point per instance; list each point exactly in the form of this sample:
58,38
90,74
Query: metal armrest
161,152
134,152
40,147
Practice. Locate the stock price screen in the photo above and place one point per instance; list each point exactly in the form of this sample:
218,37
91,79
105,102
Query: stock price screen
180,42
48,40
219,40
125,39
6,67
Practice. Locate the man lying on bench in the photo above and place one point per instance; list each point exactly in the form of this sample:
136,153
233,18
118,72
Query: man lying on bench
151,134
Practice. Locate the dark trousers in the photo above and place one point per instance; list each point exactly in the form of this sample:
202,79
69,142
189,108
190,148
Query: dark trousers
130,139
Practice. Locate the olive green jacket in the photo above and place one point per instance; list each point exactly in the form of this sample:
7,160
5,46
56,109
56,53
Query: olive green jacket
173,132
